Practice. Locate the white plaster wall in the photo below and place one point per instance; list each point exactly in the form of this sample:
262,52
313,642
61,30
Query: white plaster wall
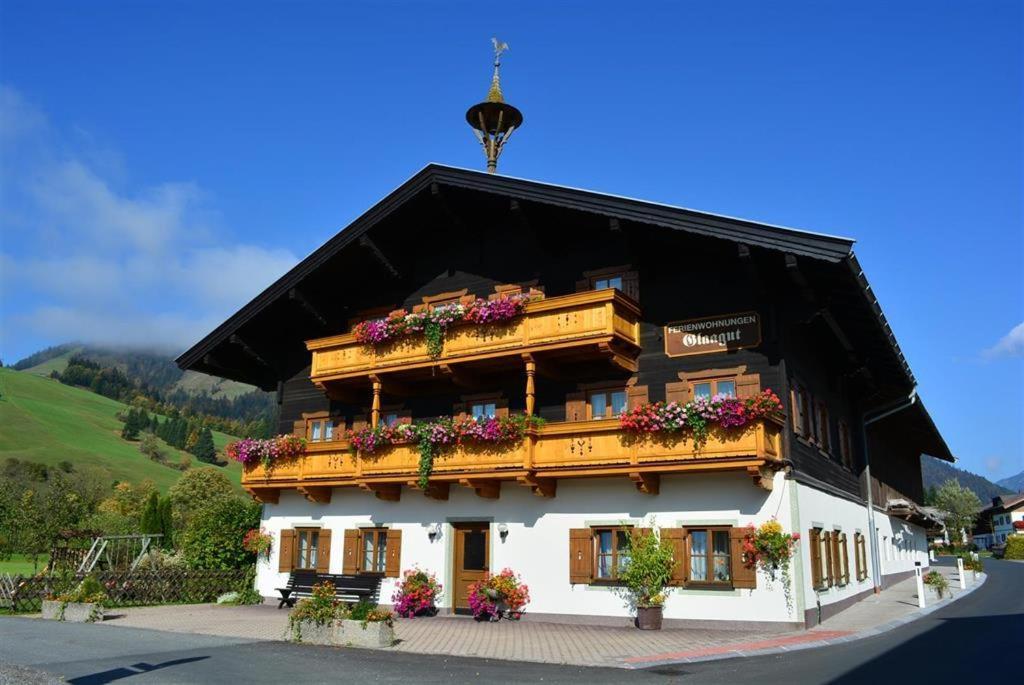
537,545
900,543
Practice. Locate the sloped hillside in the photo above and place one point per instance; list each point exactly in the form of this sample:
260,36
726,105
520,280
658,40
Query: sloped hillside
46,422
934,473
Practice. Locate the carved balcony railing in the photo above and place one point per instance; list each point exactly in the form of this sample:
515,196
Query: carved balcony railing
601,322
584,449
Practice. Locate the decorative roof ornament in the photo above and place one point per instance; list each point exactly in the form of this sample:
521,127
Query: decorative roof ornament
494,120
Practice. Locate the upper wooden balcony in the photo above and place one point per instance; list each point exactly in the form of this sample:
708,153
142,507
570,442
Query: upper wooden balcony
599,323
578,449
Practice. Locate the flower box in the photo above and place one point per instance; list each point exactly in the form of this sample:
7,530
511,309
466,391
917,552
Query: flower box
313,633
932,594
370,634
72,612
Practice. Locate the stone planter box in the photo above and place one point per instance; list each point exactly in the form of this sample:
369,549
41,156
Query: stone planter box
346,633
931,595
376,634
74,612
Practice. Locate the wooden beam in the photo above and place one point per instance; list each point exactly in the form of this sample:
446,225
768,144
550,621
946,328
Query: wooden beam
265,495
269,383
236,339
762,476
488,489
316,494
613,225
531,392
617,358
439,490
457,377
647,483
389,492
364,241
798,278
542,487
390,386
340,393
295,295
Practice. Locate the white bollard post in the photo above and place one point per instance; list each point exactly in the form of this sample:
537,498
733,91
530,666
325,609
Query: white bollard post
960,570
931,555
920,585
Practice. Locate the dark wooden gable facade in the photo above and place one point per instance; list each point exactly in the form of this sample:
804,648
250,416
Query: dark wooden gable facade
450,231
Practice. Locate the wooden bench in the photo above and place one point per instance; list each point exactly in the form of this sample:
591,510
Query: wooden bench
348,589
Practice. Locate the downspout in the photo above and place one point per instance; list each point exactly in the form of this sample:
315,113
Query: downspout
876,562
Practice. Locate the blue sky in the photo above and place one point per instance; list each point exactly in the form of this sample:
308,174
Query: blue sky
162,162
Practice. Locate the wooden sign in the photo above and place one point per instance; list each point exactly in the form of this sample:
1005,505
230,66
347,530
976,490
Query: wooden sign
713,334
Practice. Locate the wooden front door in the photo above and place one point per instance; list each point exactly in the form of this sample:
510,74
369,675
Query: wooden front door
472,560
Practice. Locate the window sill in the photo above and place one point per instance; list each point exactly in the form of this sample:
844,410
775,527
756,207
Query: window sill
708,586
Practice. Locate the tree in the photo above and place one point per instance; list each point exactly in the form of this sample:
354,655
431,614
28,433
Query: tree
198,489
150,521
959,507
204,449
213,538
166,523
150,446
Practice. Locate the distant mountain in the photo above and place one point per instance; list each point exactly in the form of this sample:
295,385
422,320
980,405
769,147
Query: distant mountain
934,473
1014,483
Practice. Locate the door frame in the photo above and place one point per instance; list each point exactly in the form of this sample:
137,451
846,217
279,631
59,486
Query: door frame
455,526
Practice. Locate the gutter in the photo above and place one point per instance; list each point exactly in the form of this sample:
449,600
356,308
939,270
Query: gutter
876,562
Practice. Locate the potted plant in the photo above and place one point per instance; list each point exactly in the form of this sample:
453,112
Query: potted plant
366,625
314,619
84,604
936,584
259,542
974,566
416,594
500,595
646,575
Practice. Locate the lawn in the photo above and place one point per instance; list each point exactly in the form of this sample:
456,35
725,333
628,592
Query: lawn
21,565
43,421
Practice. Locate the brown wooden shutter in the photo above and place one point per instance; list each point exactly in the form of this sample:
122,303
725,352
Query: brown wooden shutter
814,541
576,406
393,562
677,391
846,558
287,551
350,556
676,538
837,571
827,580
631,284
323,552
742,576
748,385
796,415
581,552
299,428
636,395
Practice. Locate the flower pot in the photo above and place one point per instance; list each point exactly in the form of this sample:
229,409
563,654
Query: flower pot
313,633
648,618
370,634
72,612
933,594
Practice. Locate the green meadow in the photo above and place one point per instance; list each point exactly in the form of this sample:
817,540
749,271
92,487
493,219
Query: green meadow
43,421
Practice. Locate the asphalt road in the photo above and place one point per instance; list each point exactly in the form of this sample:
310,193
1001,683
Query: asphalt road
978,637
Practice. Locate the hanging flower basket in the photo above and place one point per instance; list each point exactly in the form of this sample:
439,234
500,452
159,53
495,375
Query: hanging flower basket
266,452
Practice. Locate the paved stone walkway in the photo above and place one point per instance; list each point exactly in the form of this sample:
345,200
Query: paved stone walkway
550,642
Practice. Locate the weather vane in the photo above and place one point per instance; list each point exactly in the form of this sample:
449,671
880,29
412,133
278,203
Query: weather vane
494,120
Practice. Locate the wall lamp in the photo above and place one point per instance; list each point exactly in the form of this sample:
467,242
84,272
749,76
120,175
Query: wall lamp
434,532
503,531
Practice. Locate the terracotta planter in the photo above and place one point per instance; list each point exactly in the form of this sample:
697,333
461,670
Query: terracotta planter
74,612
648,618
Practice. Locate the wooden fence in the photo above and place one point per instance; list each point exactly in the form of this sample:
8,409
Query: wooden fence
137,588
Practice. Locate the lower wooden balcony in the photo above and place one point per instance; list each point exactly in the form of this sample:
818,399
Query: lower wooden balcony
585,449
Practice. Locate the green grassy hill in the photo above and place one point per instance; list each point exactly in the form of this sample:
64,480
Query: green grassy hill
58,363
44,421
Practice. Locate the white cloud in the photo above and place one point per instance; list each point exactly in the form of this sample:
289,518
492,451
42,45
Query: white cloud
86,258
1010,345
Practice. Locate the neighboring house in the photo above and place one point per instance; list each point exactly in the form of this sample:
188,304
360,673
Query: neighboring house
1004,517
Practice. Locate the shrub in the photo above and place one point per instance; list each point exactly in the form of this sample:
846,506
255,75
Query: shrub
417,594
505,590
322,609
1014,547
213,538
972,564
937,581
649,568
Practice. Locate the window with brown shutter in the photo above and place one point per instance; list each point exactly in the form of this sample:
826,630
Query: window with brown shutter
350,554
621,278
610,550
373,546
286,551
709,556
676,537
743,576
844,560
826,559
860,554
306,549
323,554
393,565
820,542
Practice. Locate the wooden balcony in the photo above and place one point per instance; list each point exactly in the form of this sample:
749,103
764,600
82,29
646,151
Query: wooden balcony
586,449
601,323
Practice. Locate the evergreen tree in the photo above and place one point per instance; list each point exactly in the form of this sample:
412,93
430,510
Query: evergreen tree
166,523
151,521
204,449
130,431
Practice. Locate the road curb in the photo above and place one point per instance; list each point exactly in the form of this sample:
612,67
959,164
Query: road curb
739,652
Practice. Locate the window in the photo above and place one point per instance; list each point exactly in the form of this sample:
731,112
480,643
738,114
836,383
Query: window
709,555
608,282
321,430
389,419
308,543
611,552
605,404
620,278
821,558
716,386
823,428
798,404
842,559
860,556
483,410
374,547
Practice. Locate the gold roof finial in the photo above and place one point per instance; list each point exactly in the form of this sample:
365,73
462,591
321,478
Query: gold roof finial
494,94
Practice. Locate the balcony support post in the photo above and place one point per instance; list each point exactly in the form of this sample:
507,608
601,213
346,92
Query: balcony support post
375,407
531,372
647,483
